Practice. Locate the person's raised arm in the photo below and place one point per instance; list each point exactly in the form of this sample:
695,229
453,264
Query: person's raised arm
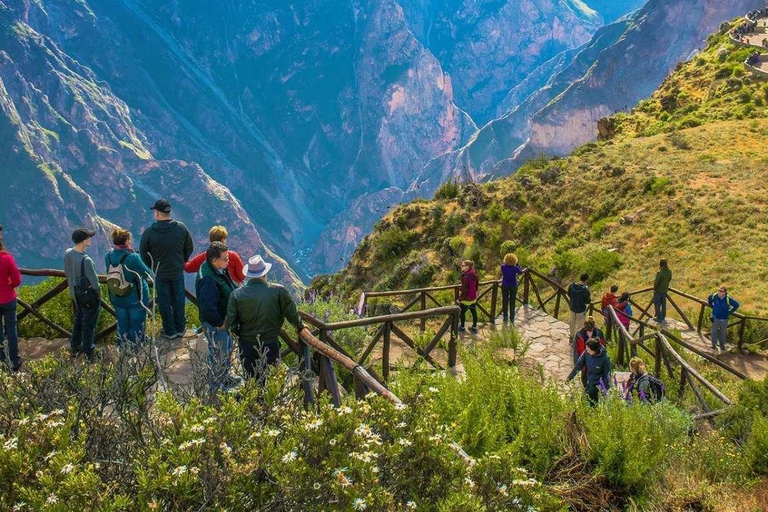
193,265
237,268
734,303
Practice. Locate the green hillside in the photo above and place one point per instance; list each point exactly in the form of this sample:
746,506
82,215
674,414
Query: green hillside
680,177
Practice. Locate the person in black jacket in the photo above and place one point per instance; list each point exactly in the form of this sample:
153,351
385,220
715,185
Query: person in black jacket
213,287
595,359
165,246
578,302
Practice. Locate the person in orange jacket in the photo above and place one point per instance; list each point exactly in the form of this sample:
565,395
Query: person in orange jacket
235,268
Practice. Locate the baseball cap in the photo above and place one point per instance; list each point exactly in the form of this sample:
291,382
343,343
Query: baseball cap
82,234
161,205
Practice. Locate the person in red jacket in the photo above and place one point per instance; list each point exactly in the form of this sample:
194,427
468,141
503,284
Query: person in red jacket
235,267
468,294
10,279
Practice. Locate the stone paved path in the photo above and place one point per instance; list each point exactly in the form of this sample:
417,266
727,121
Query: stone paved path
548,337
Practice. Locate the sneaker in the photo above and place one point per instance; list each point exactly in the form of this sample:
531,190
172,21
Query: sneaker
17,366
461,328
473,329
506,319
719,351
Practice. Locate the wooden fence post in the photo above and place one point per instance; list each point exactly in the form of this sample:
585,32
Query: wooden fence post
557,304
423,308
452,341
657,358
742,327
526,289
385,353
622,342
494,299
701,318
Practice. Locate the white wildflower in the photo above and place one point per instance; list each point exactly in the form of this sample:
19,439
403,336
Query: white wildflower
11,444
503,490
344,409
58,412
23,421
194,470
184,445
469,482
401,406
433,389
67,469
289,457
210,420
224,447
359,504
404,442
197,428
363,430
273,432
402,424
314,425
179,471
316,486
411,505
52,499
332,442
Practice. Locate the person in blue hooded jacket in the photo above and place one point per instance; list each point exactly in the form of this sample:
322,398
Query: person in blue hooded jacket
130,308
595,359
722,306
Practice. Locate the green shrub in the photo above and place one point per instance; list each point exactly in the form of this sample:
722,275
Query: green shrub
473,253
635,449
456,244
678,140
453,223
599,227
507,246
601,263
448,190
756,450
528,226
394,241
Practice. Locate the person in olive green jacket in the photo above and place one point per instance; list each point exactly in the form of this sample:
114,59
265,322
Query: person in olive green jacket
660,289
255,313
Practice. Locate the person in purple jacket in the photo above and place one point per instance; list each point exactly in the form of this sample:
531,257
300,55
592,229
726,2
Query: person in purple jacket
509,272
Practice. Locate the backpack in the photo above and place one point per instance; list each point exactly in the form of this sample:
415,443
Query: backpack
116,281
85,294
656,387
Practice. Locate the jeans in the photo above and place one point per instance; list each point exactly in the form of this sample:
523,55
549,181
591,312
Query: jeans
508,298
130,324
84,330
472,309
253,354
660,305
171,302
719,331
8,332
219,351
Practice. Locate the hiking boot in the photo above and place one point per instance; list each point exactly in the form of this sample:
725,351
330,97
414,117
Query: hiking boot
505,320
461,328
473,329
17,366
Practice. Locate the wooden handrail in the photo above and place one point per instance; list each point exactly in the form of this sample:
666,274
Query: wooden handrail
412,315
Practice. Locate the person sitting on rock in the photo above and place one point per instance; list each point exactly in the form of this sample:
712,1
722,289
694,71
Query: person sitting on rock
596,365
235,268
579,342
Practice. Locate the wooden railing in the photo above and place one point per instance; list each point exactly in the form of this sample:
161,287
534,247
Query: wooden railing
694,322
663,352
327,351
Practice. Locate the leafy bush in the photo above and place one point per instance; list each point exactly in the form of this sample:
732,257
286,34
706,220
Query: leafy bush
600,264
473,253
756,450
448,190
394,241
507,246
633,451
528,226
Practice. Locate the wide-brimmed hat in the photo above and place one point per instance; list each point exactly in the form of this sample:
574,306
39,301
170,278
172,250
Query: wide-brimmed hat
256,267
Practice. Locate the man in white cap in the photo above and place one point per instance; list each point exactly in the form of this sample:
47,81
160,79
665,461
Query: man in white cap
255,313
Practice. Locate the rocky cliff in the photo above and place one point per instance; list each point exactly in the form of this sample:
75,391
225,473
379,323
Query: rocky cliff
623,63
280,119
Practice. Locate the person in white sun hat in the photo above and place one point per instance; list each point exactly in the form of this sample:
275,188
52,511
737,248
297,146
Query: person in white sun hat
255,313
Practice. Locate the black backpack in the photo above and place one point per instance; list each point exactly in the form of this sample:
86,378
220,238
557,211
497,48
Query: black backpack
656,387
85,294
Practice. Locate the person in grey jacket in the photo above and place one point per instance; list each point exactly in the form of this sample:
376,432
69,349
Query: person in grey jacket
595,359
75,262
165,246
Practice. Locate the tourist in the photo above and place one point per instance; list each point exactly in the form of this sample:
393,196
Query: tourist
10,279
84,291
468,294
722,307
255,313
624,309
219,234
609,300
648,388
127,282
509,272
165,246
597,366
578,301
579,342
660,290
213,287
